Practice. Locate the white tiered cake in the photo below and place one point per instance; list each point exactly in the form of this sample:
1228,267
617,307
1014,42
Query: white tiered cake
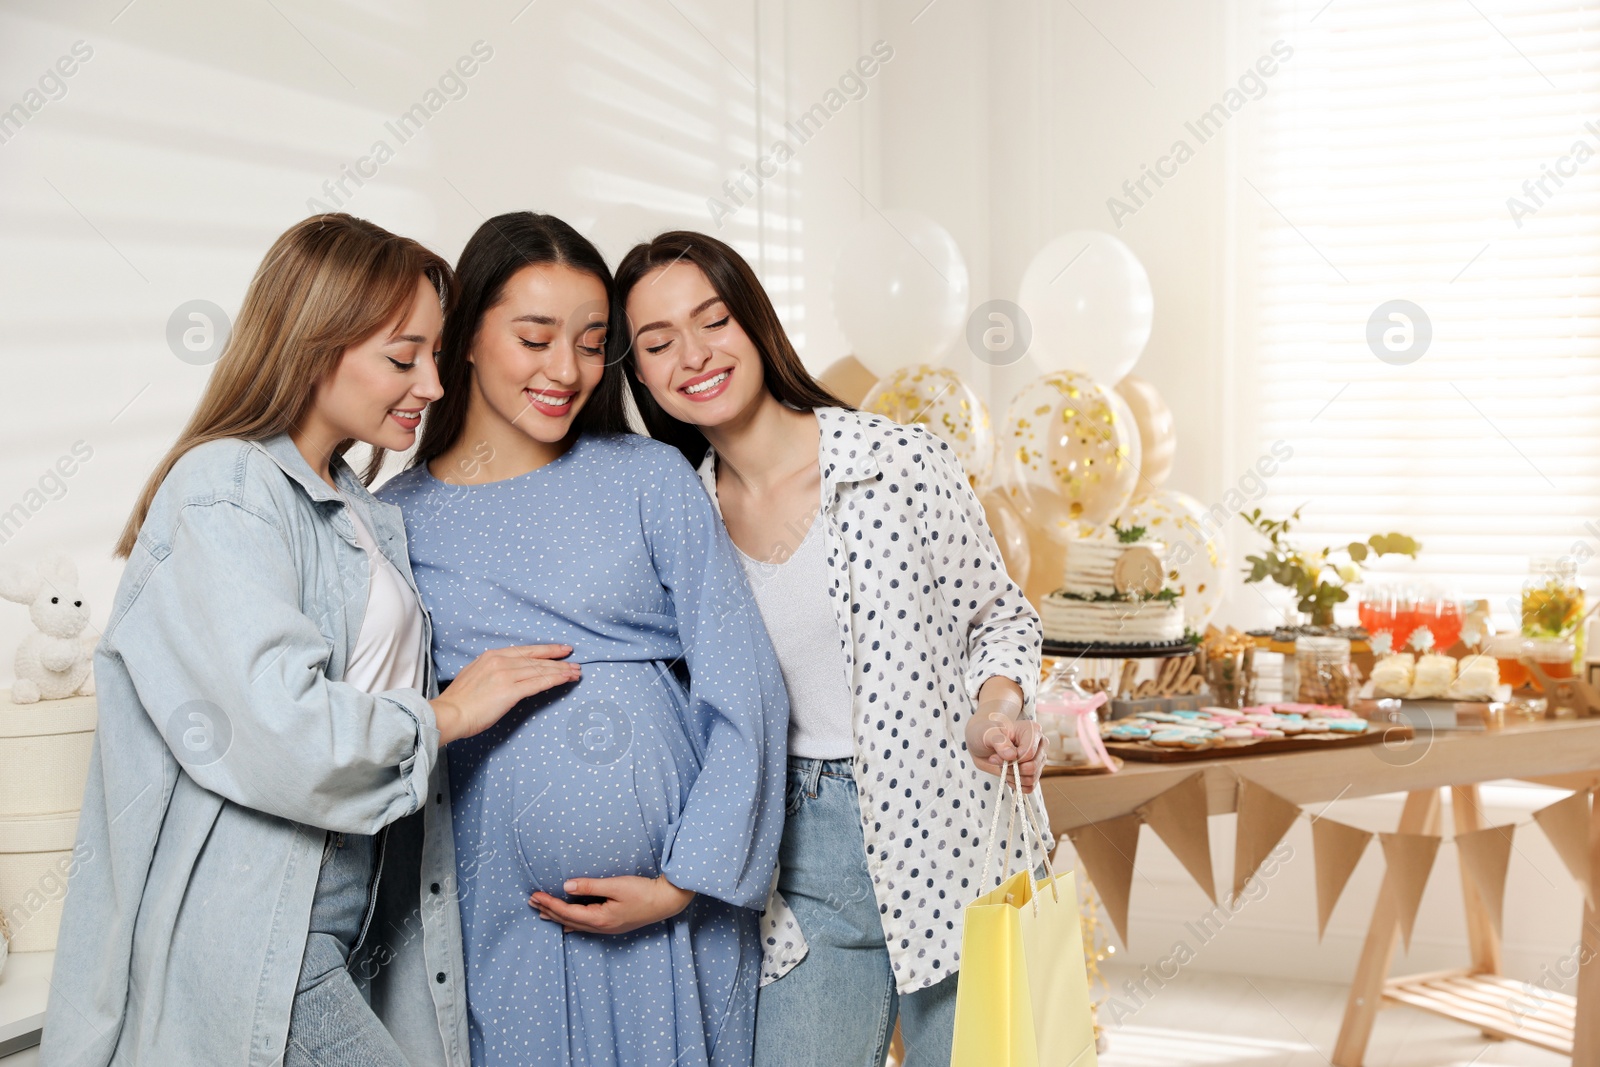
1114,592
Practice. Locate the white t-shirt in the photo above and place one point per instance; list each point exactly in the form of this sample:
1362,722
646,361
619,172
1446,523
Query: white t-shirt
794,602
388,652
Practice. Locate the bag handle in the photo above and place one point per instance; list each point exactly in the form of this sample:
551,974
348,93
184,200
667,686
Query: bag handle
1018,805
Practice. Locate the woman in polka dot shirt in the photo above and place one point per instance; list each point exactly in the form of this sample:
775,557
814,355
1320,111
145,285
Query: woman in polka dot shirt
909,656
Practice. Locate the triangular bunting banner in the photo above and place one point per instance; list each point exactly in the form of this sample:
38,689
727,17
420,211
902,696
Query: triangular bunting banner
1566,824
1264,817
1178,817
1336,849
1410,858
1485,854
1106,850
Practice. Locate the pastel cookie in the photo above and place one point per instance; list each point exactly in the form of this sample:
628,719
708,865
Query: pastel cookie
1128,732
1346,726
1236,733
1179,739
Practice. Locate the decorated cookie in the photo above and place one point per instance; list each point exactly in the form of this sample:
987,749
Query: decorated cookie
1346,726
1179,739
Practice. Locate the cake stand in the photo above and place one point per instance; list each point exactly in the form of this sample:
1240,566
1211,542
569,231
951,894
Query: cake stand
1112,650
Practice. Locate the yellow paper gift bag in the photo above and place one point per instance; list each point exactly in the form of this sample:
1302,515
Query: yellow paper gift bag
1023,997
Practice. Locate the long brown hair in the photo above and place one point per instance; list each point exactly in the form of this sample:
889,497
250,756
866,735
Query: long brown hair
331,281
785,376
502,246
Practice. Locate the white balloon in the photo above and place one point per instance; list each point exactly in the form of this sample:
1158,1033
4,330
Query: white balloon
1088,299
900,291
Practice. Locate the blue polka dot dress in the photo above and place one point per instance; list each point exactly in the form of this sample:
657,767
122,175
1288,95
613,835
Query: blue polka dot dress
667,757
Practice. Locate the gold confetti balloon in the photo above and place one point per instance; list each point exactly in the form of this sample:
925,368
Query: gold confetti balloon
941,403
1197,555
1070,453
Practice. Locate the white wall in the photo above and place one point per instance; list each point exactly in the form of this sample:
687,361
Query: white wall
1015,121
196,132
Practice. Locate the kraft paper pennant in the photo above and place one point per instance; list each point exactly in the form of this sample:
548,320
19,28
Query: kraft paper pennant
1178,817
1485,854
1106,850
1264,817
1566,824
1336,849
1410,858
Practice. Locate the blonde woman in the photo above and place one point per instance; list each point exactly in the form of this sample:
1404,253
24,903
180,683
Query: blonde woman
265,848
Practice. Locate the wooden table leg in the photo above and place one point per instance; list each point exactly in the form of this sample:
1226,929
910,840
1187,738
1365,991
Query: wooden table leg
1586,1034
1419,816
1467,815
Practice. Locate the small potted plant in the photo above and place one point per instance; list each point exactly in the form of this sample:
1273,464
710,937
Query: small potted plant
1319,579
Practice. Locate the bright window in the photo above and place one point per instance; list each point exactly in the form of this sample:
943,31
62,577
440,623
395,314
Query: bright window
1446,153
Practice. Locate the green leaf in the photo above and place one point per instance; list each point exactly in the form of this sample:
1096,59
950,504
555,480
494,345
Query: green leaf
1357,550
1395,544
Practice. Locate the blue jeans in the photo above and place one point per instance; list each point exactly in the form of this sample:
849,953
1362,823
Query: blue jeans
331,1024
838,1005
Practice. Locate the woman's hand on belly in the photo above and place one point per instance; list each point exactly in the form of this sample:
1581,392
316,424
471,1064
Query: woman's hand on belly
627,903
492,684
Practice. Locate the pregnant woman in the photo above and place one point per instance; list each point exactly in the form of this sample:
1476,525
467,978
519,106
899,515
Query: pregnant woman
908,653
615,839
264,803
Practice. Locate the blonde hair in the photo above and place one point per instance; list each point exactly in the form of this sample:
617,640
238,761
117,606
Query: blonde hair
330,282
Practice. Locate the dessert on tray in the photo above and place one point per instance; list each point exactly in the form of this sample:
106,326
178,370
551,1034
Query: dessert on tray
1113,591
1436,677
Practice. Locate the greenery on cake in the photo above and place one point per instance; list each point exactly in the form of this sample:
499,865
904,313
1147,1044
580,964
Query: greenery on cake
1168,595
1130,536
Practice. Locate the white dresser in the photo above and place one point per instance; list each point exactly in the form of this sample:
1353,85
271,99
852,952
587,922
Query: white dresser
44,762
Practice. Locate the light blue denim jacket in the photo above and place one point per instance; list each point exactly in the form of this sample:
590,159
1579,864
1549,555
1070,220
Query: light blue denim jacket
227,746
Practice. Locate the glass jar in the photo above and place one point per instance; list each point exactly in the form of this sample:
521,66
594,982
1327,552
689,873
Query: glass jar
1552,599
1508,650
1554,655
1058,695
1322,669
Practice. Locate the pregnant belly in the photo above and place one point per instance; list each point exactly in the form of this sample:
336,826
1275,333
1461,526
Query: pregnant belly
582,783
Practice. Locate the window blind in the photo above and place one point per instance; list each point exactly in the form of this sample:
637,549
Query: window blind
1445,153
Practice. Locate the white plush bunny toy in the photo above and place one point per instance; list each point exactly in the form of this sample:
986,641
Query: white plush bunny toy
57,660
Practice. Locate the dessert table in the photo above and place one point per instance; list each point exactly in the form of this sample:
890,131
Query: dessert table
1557,752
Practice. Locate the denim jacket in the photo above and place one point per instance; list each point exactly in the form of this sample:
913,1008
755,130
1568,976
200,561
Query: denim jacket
227,748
